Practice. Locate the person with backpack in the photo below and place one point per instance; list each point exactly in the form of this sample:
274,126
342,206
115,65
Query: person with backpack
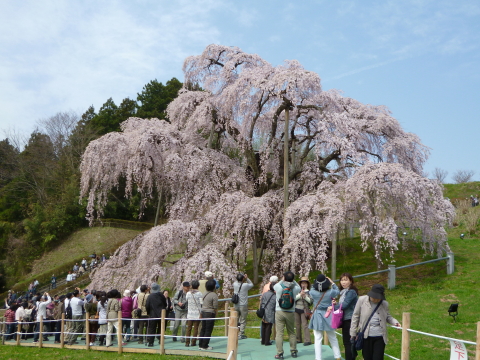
180,306
286,291
240,300
322,296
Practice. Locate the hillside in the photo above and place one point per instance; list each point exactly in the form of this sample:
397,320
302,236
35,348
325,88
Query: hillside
82,243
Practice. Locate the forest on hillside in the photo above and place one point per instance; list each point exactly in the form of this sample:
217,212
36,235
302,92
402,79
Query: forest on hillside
40,177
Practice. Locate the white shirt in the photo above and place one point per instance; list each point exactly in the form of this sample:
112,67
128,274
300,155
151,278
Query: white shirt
42,308
76,305
69,277
20,313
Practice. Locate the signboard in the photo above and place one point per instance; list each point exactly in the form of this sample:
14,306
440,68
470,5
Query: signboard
458,350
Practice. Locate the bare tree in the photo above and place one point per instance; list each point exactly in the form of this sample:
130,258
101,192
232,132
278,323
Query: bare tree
463,176
440,175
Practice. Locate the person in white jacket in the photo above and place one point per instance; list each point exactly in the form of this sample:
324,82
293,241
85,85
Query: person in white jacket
41,312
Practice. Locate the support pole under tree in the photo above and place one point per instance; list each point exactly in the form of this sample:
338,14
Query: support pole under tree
405,336
285,166
158,207
334,256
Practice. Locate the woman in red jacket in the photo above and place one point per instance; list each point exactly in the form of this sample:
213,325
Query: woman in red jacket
127,307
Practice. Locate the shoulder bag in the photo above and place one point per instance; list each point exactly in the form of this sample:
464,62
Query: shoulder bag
306,310
261,311
359,339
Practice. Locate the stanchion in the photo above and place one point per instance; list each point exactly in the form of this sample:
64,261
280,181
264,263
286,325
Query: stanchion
87,331
3,333
40,335
325,338
405,336
162,334
119,332
226,316
477,348
62,331
232,342
19,332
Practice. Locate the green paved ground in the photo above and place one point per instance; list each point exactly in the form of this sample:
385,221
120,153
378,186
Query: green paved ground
248,349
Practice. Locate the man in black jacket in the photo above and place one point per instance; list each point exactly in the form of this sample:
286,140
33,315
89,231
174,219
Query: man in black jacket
156,302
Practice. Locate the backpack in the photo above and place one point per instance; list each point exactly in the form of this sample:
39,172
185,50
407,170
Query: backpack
286,300
68,311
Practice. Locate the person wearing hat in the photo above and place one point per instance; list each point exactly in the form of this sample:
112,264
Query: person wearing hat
208,276
156,302
126,304
180,306
322,292
376,331
303,301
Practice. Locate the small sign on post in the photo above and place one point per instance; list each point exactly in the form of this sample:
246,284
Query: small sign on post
458,350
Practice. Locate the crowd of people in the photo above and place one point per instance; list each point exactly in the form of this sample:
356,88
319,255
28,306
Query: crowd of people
297,307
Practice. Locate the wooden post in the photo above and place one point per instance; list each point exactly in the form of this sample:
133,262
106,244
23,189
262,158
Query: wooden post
162,330
3,332
325,338
62,331
477,349
87,331
226,320
232,342
119,332
19,332
405,336
40,335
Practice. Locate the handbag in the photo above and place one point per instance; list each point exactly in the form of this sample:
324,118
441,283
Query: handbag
261,311
337,318
306,310
235,297
360,335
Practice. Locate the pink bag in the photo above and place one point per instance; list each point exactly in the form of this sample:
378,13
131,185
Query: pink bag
337,318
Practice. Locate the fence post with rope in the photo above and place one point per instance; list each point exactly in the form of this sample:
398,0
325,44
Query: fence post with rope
19,332
232,342
162,330
119,332
477,347
62,331
87,331
226,316
405,336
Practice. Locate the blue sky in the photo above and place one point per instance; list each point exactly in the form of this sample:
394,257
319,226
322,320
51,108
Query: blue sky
420,58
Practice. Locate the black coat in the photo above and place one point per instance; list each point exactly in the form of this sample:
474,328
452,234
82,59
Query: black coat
156,302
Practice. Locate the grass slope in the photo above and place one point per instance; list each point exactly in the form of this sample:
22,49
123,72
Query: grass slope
99,240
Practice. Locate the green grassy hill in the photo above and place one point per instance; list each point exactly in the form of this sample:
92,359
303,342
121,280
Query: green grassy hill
82,243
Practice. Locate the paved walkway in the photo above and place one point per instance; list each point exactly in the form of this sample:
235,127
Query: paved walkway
248,349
